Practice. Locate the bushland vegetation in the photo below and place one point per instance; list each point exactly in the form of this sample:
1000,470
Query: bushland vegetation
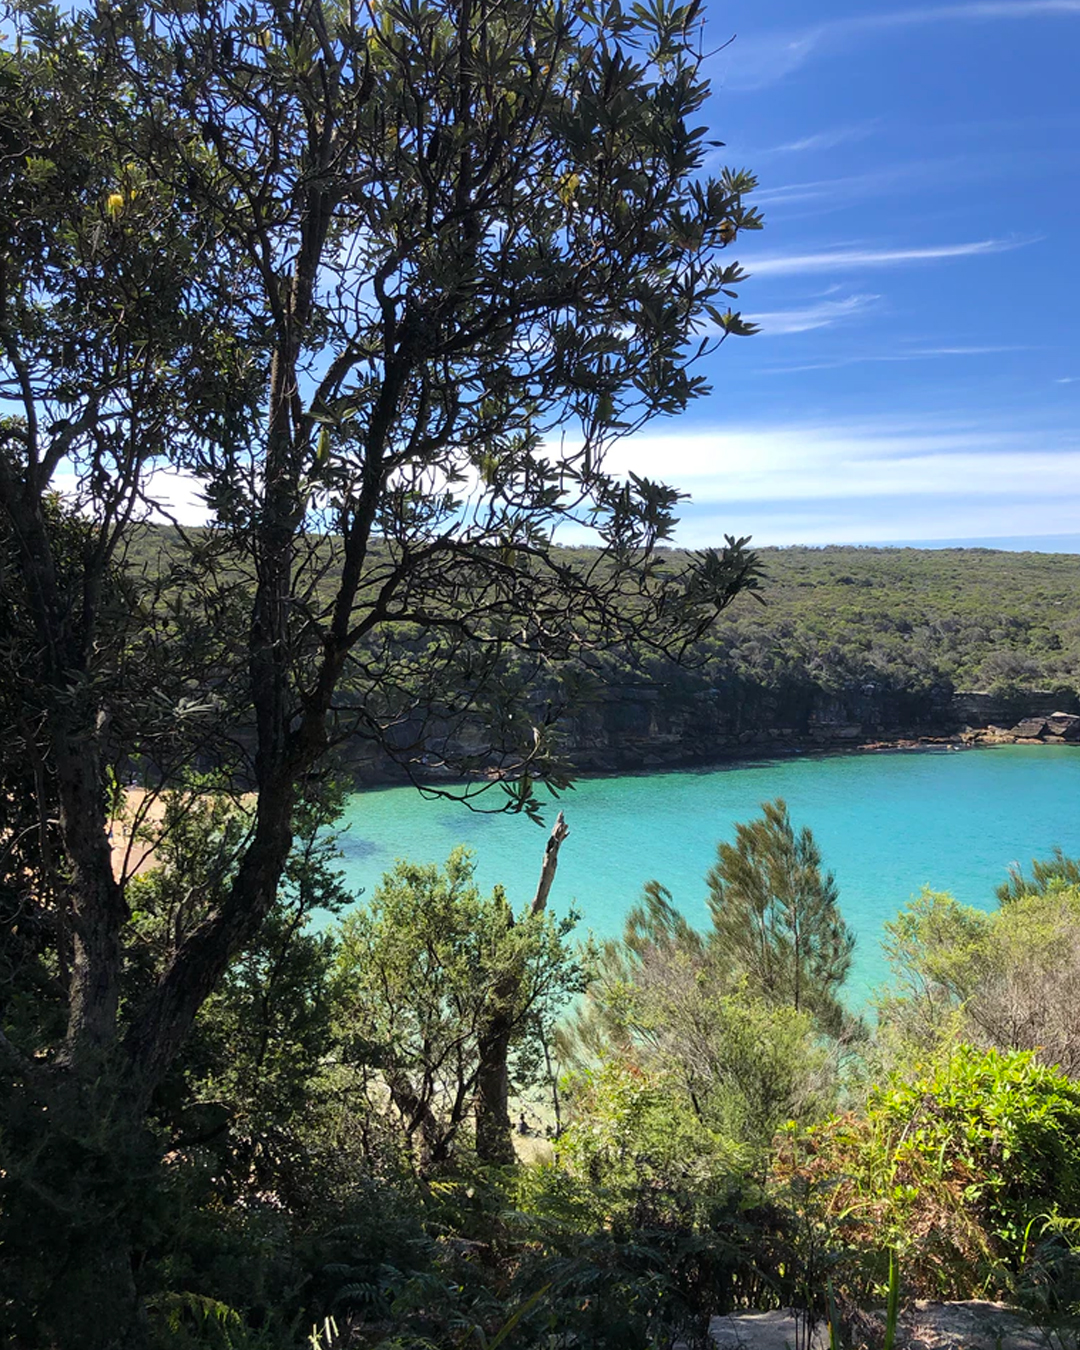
347,272
700,1123
970,617
891,631
840,618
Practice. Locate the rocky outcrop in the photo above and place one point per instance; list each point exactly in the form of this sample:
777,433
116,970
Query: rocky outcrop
972,1324
977,708
1059,728
668,726
684,720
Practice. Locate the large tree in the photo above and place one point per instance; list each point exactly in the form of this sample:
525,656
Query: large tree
355,272
776,917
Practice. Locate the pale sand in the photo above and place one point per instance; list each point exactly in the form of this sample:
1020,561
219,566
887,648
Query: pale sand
132,856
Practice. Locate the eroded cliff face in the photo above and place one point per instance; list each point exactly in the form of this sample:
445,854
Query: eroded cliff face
683,722
976,709
647,724
654,727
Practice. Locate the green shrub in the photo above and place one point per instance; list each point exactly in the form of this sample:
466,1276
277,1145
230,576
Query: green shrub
962,1168
1009,979
1006,1126
638,1152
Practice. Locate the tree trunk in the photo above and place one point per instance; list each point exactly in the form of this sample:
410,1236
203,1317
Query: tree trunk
550,863
76,1195
419,1119
494,1143
493,1140
99,1308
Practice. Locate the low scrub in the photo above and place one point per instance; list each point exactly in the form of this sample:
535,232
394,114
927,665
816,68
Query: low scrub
968,1169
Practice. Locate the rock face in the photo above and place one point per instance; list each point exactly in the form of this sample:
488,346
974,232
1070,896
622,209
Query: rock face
683,720
1057,729
971,1325
679,723
977,709
779,1330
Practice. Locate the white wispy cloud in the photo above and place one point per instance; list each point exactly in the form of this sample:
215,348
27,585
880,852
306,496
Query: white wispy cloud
823,140
857,521
950,171
965,351
893,178
759,61
915,354
823,314
854,259
819,481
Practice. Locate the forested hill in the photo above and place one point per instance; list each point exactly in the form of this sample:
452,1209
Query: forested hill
850,644
977,618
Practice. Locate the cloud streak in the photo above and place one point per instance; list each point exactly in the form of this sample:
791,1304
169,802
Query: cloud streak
824,140
763,60
919,175
817,481
886,358
856,259
824,314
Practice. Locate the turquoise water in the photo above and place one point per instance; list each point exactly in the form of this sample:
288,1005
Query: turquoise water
887,825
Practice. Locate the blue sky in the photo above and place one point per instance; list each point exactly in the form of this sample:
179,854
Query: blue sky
917,376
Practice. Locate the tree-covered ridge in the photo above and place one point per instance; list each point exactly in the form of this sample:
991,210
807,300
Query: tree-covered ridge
826,646
977,618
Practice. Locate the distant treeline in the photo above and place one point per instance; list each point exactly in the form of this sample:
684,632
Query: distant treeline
972,617
851,644
840,644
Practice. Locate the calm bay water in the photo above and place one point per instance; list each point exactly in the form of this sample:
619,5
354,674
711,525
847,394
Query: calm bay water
887,824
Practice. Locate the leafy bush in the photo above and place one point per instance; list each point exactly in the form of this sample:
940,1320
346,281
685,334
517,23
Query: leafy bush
424,971
1009,979
640,1154
962,1168
648,1221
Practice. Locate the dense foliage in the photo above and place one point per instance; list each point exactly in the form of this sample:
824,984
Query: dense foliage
711,1145
974,618
348,272
421,970
878,636
776,920
874,639
343,273
968,1169
1009,979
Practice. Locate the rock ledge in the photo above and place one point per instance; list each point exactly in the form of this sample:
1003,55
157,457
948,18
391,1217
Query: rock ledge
974,1324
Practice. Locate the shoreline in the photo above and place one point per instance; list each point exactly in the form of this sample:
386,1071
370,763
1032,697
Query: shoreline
133,855
971,738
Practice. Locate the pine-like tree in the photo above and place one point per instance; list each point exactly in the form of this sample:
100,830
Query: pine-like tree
776,918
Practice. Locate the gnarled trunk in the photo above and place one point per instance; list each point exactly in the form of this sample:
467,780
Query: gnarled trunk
493,1139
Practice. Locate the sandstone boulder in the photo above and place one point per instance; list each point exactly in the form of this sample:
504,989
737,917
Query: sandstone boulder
975,1324
1065,725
